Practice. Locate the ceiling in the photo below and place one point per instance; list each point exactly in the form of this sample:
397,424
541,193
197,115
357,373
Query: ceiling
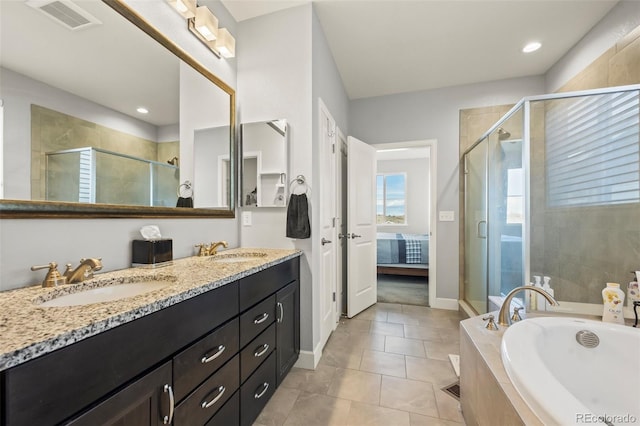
384,47
113,63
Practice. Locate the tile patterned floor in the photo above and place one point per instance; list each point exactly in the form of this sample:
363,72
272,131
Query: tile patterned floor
385,367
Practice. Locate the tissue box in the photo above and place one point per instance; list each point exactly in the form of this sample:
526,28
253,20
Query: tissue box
151,252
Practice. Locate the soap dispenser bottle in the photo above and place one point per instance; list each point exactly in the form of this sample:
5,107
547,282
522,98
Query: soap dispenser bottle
613,299
547,287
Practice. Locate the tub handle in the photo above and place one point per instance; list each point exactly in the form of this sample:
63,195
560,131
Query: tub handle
491,325
516,314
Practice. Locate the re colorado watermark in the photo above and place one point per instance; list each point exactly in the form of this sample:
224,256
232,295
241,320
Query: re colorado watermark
608,419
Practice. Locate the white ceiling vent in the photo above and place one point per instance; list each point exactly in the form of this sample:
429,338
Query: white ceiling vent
65,13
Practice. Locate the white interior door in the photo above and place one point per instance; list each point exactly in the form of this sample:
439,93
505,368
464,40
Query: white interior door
362,289
328,237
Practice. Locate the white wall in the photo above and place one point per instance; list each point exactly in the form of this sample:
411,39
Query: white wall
621,20
434,114
274,82
26,242
285,67
417,201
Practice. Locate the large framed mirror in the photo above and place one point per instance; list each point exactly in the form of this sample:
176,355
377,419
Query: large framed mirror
107,120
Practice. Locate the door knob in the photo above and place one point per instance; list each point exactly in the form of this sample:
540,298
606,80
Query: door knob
355,235
325,241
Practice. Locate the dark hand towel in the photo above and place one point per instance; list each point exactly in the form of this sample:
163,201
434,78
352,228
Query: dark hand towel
298,217
185,202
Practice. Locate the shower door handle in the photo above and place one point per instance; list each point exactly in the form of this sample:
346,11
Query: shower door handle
478,232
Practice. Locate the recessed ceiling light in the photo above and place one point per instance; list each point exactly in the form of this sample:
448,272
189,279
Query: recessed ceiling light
142,110
531,47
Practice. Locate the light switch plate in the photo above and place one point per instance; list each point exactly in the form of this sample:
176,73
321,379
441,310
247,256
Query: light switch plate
246,218
447,216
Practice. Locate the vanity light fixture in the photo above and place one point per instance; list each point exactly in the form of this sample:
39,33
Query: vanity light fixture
226,44
186,8
531,47
204,25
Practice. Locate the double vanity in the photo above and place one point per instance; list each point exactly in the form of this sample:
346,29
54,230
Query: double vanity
204,341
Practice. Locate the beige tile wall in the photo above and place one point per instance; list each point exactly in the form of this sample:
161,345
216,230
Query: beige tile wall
54,131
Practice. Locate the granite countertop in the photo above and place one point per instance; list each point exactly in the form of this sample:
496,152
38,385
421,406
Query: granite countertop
28,330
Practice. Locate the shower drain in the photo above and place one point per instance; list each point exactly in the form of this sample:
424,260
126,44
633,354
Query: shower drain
587,338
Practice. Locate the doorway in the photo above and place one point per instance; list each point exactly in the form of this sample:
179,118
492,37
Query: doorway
404,210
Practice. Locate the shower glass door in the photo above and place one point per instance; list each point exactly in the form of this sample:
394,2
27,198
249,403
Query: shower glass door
475,241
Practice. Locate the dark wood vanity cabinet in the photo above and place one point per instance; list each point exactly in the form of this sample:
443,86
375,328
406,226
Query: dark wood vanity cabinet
214,359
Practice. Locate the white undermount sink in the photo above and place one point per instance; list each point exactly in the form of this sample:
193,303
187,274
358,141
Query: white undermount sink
238,257
106,293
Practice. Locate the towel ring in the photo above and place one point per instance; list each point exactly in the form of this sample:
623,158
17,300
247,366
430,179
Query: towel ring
185,190
299,180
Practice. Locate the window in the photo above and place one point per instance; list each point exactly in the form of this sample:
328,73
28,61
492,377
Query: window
592,150
391,199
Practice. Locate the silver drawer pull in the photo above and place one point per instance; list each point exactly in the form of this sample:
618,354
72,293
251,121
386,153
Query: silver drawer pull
168,419
260,319
205,359
265,386
206,404
281,311
259,353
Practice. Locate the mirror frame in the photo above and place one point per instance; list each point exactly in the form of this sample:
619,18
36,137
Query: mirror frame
25,209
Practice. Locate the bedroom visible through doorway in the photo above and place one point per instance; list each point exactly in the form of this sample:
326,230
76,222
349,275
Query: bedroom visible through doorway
403,211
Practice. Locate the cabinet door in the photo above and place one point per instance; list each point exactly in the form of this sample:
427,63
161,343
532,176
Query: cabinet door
147,401
287,328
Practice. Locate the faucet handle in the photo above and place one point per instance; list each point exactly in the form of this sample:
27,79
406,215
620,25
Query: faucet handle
491,325
53,277
516,314
202,249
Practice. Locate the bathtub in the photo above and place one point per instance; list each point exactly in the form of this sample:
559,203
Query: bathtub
566,383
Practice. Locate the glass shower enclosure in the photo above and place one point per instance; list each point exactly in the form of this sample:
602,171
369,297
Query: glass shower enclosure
93,175
553,189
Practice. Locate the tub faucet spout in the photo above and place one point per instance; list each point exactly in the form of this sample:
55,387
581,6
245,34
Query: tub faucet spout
503,316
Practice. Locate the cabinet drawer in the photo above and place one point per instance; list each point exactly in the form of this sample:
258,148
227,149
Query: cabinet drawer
229,414
256,287
257,351
257,319
200,360
257,390
207,399
55,386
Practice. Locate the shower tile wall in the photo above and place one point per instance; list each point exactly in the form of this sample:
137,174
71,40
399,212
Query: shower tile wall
580,248
54,131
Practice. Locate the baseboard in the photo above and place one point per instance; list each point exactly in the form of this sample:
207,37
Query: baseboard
449,304
309,360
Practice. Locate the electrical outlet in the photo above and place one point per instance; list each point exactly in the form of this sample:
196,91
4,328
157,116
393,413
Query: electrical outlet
246,218
447,216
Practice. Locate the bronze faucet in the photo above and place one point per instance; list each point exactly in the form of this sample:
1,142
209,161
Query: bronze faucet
84,271
204,250
503,316
213,248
